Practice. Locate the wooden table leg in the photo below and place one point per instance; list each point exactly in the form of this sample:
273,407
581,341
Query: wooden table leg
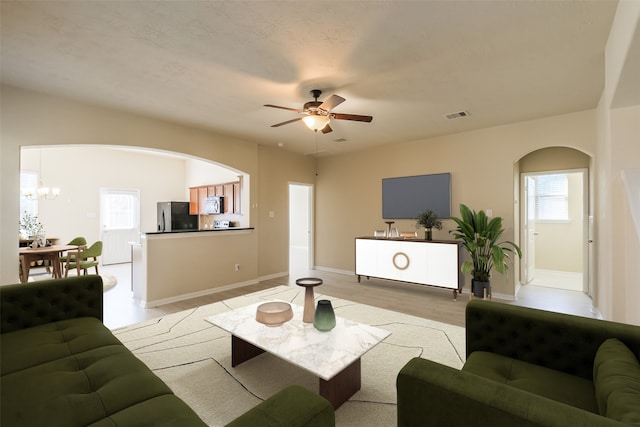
241,351
24,265
344,385
55,261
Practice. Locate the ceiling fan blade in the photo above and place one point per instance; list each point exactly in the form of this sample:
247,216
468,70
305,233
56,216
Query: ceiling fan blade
331,103
283,108
286,123
354,117
326,129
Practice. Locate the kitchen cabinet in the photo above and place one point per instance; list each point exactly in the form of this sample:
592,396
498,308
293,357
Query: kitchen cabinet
202,195
236,197
230,191
194,206
228,198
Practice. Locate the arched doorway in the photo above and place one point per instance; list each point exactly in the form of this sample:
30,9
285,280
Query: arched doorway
555,219
87,173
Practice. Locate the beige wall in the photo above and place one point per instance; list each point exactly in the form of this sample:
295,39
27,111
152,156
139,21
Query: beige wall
554,158
277,169
70,123
481,164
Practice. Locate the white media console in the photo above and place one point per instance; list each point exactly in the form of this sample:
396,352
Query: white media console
433,263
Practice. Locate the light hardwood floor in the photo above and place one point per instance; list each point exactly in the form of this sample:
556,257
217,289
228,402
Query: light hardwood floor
421,301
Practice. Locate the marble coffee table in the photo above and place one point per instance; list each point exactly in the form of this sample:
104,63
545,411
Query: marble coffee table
334,356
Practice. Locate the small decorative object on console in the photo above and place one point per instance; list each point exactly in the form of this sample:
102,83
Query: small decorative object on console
325,318
274,313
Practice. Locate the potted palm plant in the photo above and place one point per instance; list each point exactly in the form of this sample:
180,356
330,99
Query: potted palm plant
480,238
429,220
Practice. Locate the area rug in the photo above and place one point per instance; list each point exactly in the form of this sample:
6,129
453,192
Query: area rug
108,282
194,358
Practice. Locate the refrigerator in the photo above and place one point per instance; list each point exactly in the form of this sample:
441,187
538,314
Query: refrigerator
174,216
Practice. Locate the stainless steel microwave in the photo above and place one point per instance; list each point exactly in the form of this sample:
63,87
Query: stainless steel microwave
214,205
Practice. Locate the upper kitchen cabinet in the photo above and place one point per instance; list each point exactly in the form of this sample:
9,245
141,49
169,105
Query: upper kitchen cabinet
229,205
202,196
230,191
194,205
236,197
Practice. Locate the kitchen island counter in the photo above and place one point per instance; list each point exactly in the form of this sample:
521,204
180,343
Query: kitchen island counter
200,231
177,265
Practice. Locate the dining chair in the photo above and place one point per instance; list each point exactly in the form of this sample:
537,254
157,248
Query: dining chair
84,258
77,241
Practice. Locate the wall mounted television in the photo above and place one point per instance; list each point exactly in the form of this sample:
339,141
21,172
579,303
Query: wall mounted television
405,197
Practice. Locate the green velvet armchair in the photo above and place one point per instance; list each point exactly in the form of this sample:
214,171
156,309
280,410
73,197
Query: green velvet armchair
528,367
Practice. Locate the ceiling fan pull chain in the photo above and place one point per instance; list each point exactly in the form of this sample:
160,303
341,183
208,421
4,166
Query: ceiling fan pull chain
316,132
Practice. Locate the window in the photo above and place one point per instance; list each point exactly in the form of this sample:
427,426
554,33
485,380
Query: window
120,210
552,197
28,180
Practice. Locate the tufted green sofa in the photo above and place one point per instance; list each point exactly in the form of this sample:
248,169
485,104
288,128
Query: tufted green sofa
60,366
528,367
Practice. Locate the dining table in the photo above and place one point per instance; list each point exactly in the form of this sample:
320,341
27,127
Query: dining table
51,253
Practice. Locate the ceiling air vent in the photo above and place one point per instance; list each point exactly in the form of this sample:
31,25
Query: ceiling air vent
340,140
456,115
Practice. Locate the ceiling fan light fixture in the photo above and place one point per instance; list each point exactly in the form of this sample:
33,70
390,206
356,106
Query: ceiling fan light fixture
316,122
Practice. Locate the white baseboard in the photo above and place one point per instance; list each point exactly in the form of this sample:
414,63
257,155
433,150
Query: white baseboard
335,270
182,297
273,276
505,297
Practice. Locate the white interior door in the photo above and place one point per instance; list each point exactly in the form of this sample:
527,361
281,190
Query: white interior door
120,223
300,229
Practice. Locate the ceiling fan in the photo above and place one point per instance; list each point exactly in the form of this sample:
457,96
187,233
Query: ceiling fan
317,115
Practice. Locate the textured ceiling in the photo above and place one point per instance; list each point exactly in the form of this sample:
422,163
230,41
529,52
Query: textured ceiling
215,63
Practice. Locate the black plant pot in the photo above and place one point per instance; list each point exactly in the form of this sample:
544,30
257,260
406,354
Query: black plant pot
481,289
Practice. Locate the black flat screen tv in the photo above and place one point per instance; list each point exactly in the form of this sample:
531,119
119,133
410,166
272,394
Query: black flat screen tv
405,197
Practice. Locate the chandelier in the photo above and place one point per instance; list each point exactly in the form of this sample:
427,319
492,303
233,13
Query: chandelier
42,192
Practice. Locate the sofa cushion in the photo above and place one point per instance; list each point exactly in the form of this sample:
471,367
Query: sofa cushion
75,373
549,383
24,348
616,376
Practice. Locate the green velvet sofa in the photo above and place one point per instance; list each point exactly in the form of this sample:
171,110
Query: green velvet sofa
60,366
528,367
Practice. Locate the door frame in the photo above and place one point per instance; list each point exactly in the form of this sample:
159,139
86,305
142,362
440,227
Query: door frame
586,237
525,243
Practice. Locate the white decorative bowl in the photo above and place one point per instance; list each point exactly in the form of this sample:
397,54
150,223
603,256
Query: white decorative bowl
274,313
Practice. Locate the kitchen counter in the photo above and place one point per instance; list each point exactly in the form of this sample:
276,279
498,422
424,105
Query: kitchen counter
176,265
200,231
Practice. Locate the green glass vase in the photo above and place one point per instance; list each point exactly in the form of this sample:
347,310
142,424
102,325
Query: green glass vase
324,319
